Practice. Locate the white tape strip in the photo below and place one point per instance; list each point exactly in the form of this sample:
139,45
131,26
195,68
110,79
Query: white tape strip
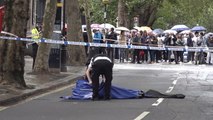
109,45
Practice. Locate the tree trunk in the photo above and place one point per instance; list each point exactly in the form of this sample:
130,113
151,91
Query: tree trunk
12,52
88,22
74,33
41,63
121,13
146,12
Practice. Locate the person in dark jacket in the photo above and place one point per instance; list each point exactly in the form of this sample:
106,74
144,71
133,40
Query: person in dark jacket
135,41
190,44
179,43
209,44
111,39
100,65
170,40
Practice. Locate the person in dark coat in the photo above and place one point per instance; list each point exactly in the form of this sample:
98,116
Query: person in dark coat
85,37
136,52
170,40
100,65
111,39
209,44
190,44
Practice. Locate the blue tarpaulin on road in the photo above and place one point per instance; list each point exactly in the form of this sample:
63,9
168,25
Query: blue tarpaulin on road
83,91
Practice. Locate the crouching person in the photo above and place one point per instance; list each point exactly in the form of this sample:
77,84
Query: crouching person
100,65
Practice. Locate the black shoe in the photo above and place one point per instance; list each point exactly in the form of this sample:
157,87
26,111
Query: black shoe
95,98
132,61
107,98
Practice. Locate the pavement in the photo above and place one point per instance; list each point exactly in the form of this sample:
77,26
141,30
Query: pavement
38,84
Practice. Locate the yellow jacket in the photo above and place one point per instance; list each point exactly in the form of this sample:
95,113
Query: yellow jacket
35,33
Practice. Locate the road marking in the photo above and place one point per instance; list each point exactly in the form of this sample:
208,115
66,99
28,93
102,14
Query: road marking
142,115
160,100
170,89
47,93
39,96
174,82
2,108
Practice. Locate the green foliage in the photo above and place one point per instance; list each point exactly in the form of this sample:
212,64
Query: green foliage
188,12
170,12
98,9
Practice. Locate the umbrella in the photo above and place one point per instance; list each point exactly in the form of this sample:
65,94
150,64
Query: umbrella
180,28
107,26
145,28
121,29
198,28
170,31
95,26
185,32
158,31
206,36
136,28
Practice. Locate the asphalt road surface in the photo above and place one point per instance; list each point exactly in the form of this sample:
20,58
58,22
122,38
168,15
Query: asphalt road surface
194,81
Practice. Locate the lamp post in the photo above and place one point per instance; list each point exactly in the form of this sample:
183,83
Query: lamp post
63,30
105,2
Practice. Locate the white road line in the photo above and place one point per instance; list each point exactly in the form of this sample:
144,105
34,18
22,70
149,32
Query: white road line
2,108
160,100
170,89
39,96
142,115
174,82
51,92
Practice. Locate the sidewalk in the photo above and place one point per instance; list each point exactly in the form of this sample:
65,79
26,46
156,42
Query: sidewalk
38,84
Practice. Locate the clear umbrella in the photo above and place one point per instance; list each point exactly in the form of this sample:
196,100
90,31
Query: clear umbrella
180,28
170,31
107,26
121,29
95,26
158,31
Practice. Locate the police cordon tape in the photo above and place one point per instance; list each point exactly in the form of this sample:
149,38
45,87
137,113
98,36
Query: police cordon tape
168,48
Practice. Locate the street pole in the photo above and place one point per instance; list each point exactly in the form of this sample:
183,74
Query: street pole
105,9
63,47
105,2
34,12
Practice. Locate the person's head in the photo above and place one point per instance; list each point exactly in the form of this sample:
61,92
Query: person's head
210,36
196,34
202,34
94,30
122,32
191,35
112,29
141,32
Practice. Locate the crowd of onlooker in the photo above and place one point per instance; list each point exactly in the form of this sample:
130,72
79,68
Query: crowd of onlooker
142,38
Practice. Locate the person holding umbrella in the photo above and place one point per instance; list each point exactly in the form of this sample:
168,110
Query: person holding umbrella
122,41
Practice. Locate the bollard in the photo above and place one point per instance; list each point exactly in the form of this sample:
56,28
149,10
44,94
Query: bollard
63,58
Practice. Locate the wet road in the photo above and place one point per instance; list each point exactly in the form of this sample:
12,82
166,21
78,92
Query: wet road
194,81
